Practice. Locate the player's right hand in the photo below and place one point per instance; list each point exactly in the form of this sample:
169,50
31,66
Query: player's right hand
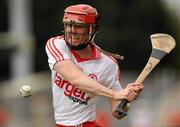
131,92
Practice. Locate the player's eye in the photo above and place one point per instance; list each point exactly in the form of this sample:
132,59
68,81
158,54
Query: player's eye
79,26
68,24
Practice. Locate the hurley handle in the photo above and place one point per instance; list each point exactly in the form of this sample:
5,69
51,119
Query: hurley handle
120,108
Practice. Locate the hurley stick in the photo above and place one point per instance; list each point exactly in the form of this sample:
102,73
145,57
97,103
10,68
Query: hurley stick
162,44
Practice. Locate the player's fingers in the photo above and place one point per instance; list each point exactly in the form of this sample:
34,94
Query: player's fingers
139,88
131,93
128,93
136,84
134,93
137,91
135,88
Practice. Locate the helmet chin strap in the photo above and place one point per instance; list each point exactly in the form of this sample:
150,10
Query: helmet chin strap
78,47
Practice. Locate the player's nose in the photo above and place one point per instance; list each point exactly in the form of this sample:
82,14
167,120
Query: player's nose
73,29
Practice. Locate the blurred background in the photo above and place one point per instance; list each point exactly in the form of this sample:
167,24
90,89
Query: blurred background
125,27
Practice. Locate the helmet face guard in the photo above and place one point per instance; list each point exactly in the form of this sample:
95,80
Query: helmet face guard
80,16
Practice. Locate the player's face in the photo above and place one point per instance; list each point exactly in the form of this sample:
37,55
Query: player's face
76,33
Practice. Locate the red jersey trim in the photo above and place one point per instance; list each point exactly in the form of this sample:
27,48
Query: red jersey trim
53,50
54,55
95,55
85,124
61,55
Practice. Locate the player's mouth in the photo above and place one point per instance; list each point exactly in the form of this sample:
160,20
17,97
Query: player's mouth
74,40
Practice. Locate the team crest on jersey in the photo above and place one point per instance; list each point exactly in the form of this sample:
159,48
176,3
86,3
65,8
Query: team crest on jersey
93,76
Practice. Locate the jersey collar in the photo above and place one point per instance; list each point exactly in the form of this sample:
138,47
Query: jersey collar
96,54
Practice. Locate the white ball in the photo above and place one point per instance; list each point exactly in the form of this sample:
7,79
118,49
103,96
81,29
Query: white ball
26,91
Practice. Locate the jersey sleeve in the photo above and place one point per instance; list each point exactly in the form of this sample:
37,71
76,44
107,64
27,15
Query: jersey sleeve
56,50
113,77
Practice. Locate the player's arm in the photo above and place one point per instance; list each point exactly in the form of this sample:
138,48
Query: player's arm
77,78
73,75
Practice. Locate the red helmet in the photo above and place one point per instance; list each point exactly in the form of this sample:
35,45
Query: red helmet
80,13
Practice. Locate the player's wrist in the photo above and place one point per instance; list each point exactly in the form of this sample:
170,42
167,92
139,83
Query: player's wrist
114,95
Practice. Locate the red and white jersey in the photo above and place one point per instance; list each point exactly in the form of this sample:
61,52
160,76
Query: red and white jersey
73,106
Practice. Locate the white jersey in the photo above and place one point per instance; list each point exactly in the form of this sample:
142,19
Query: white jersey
73,106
